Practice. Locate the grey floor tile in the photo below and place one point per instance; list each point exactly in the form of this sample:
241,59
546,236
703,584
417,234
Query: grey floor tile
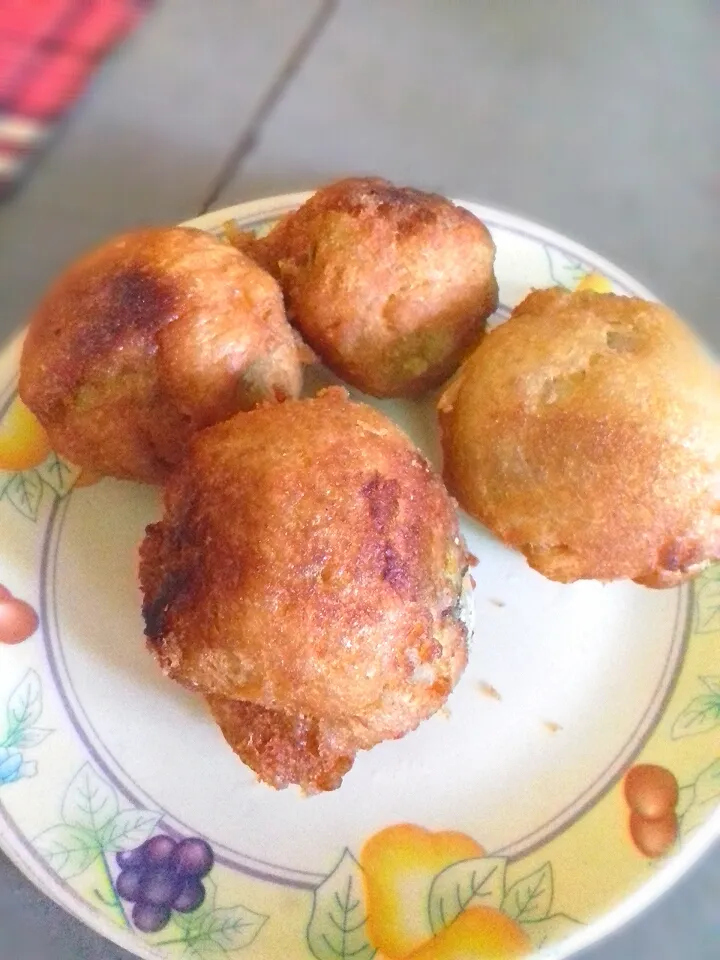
684,923
600,119
34,928
151,135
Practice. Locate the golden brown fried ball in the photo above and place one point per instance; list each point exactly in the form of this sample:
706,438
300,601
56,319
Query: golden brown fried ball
147,339
309,563
585,431
390,286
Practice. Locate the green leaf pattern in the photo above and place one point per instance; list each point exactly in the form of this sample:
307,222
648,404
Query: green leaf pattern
565,271
128,829
469,883
32,736
482,882
94,826
212,931
706,592
337,927
700,799
685,798
22,711
702,714
228,928
25,490
89,802
57,474
69,850
336,930
24,704
530,898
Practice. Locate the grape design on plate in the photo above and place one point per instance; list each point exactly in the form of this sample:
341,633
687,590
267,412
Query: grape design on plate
162,875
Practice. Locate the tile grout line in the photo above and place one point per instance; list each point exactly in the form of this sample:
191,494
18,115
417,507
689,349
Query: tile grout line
249,136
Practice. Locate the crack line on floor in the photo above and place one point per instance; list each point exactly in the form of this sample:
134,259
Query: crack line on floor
249,137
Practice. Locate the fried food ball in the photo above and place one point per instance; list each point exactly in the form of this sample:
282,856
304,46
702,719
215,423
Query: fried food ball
390,286
309,562
585,431
145,340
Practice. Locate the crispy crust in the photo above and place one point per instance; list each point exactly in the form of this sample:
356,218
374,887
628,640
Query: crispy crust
390,286
282,749
246,242
309,561
149,338
585,431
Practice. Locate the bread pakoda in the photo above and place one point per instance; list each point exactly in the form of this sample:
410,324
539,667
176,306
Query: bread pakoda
390,286
309,563
585,432
149,338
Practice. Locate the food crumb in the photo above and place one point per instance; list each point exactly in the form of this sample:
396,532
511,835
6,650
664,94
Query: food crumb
497,603
473,582
551,726
472,560
444,712
488,690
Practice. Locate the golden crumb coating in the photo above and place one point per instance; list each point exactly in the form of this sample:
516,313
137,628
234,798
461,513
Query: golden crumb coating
145,340
390,286
585,431
309,561
280,748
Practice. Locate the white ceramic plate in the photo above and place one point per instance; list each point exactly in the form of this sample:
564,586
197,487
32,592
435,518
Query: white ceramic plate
507,809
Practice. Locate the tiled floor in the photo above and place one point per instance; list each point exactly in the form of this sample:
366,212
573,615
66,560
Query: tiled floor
601,119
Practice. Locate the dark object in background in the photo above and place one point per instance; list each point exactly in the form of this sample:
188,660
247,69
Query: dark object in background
49,50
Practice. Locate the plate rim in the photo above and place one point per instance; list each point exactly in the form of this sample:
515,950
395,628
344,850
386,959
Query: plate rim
633,903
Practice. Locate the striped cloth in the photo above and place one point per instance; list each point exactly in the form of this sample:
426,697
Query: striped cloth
48,52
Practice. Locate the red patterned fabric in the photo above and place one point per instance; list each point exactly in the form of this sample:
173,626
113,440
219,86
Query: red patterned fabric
48,52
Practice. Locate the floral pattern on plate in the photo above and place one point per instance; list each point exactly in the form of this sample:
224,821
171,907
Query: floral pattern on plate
145,881
21,733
